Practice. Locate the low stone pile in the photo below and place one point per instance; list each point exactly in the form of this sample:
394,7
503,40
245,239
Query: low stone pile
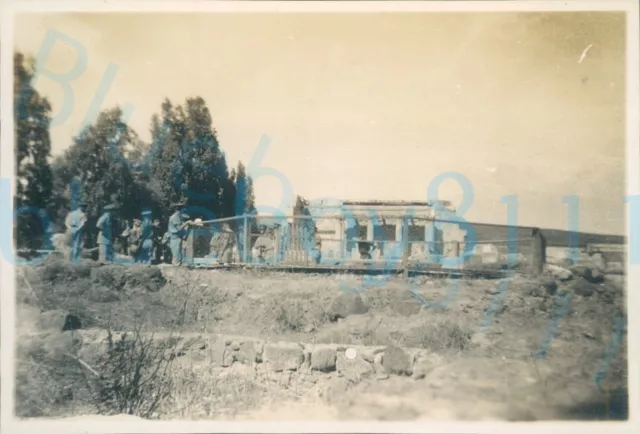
592,264
593,276
592,270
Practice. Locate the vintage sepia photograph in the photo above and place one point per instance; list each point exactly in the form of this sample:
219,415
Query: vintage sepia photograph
322,215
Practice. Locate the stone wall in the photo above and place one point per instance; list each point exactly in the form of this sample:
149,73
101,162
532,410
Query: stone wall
286,364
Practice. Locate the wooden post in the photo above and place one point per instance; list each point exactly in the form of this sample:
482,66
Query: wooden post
277,250
305,246
305,241
343,240
405,246
187,250
538,252
295,239
246,237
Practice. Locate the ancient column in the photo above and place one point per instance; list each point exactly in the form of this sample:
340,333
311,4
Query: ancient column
399,229
343,238
371,236
429,236
369,229
455,249
404,239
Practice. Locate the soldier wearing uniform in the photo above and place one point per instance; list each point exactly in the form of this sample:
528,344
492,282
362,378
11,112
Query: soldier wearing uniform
146,238
105,235
76,225
121,235
263,246
157,242
176,234
227,241
134,238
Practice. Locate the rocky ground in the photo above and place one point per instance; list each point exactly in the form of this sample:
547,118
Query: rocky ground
428,348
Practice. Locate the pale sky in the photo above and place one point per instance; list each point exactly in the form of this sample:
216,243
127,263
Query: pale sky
374,106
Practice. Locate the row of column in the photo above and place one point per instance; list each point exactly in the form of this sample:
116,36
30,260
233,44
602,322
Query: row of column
402,231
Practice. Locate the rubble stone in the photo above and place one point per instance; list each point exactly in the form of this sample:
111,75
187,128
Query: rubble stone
323,359
247,352
283,356
354,370
396,361
59,320
345,304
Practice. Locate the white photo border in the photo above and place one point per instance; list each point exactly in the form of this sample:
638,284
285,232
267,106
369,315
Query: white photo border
10,424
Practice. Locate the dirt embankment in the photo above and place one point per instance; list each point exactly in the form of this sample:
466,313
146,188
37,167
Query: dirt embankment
522,349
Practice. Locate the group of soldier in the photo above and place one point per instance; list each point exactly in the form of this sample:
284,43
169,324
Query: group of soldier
144,241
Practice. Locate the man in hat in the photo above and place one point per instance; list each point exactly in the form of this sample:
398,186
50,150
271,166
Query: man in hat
263,245
215,245
122,232
227,240
187,244
146,238
135,238
157,241
76,225
176,233
105,228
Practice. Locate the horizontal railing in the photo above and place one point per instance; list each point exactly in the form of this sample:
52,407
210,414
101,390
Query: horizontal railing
333,241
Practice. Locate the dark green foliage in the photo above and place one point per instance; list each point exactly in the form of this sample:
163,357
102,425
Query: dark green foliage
185,163
34,180
108,163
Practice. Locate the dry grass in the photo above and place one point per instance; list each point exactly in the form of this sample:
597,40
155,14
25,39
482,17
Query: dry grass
445,334
294,307
130,377
290,318
48,383
201,392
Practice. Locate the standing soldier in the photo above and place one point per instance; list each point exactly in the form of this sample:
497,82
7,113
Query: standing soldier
176,233
76,225
227,240
157,241
215,245
105,228
135,238
122,236
263,245
186,244
166,249
146,238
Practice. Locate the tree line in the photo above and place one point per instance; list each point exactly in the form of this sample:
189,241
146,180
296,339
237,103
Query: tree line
108,163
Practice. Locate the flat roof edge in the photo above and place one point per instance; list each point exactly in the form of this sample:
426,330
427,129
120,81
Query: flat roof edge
394,202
